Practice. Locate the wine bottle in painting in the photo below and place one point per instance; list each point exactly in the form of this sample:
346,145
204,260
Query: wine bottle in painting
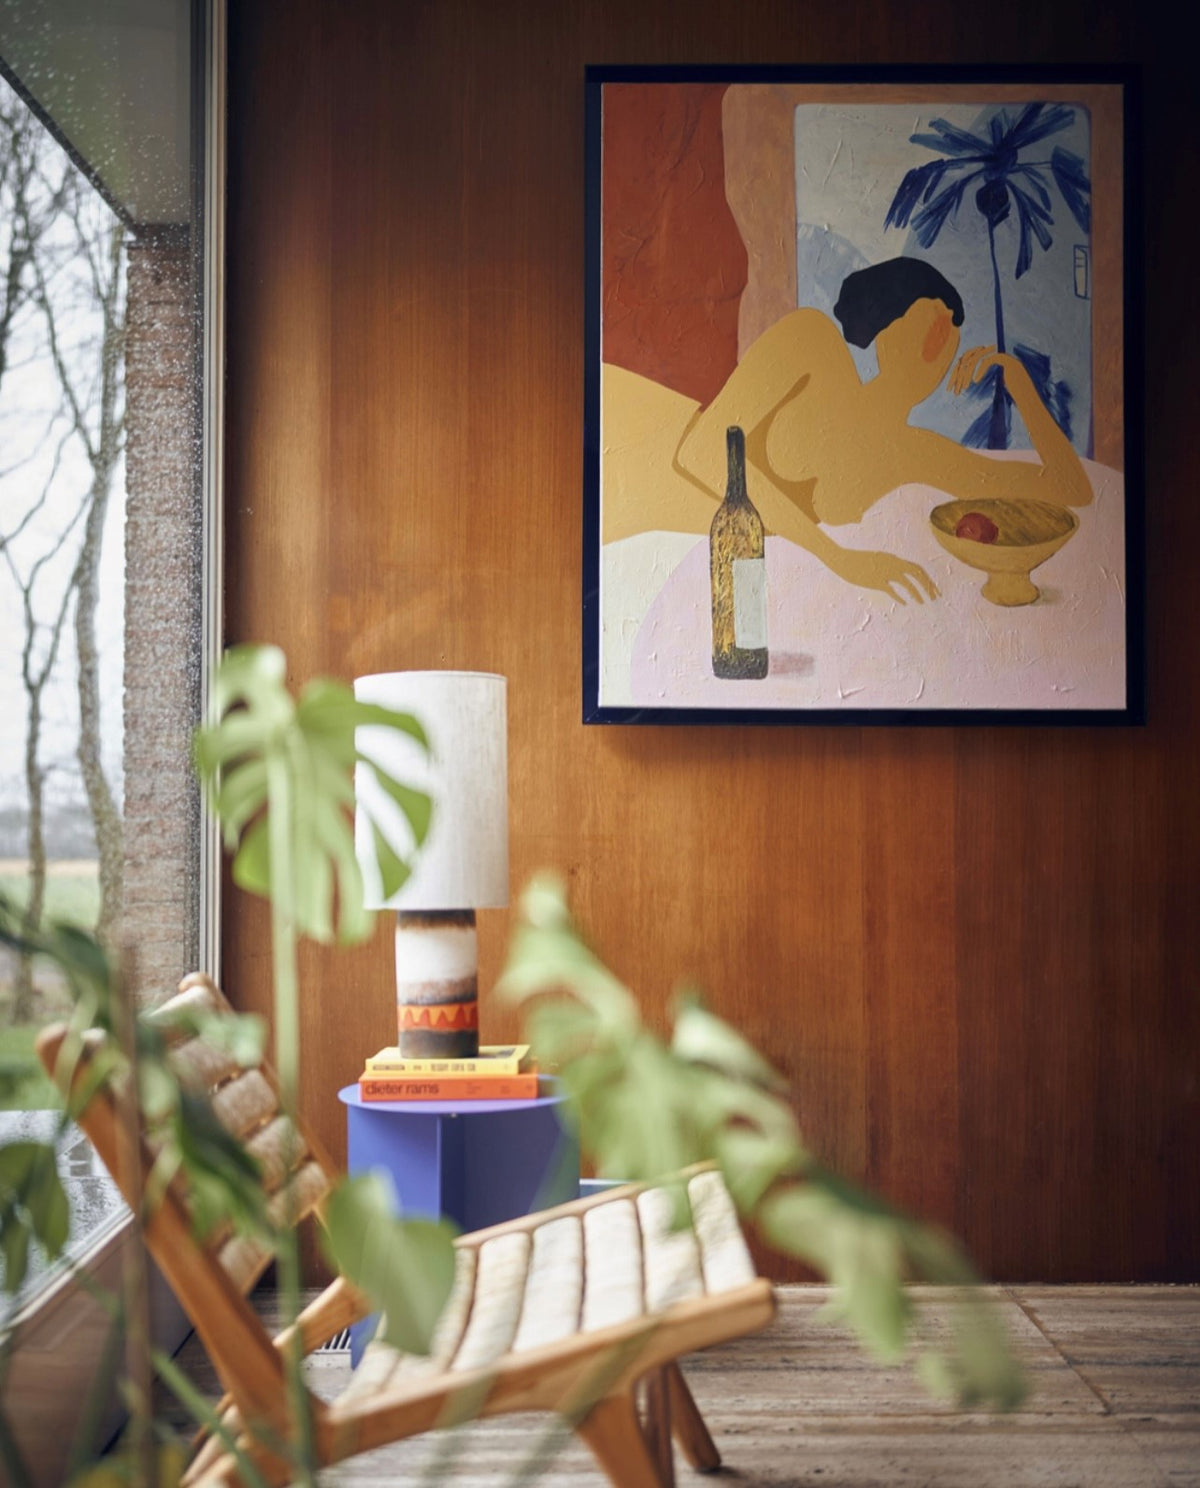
738,569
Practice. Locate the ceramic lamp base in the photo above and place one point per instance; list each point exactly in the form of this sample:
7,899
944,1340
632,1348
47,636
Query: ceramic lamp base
437,963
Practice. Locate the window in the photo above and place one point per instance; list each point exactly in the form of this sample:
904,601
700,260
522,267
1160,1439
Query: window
111,176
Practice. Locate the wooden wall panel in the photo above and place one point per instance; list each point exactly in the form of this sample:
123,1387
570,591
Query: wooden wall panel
974,951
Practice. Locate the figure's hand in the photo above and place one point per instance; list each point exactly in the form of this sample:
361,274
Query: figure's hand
971,366
895,577
1066,482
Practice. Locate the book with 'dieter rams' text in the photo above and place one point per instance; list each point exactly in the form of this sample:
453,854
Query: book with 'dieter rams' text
376,1087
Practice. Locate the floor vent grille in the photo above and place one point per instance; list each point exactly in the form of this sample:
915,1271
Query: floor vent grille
338,1344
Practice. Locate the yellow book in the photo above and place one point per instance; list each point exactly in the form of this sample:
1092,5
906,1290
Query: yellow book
492,1059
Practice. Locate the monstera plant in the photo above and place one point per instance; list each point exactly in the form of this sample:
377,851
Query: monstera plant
277,772
278,775
647,1108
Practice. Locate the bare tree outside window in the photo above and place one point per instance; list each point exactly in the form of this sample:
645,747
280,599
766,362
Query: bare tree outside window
62,415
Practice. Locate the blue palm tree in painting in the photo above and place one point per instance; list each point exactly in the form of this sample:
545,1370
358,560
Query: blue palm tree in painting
931,194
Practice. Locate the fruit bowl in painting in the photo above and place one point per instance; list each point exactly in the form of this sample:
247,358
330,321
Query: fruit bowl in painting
1007,540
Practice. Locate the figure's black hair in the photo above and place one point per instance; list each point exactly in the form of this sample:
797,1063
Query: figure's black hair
872,298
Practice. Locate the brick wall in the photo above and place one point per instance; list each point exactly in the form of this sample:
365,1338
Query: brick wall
162,611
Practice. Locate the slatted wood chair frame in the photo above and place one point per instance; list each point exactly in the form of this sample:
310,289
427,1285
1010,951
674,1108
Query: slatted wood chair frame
492,1353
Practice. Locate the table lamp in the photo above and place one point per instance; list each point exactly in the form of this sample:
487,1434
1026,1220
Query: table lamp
463,865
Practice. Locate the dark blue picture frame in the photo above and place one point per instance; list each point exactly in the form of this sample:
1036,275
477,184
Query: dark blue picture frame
1134,710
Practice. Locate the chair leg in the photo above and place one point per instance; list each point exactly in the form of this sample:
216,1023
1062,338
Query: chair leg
658,1425
612,1430
688,1424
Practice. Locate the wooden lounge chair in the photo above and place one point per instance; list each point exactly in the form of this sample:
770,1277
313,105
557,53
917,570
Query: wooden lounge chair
567,1310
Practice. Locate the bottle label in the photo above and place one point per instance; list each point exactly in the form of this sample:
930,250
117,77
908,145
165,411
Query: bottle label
750,603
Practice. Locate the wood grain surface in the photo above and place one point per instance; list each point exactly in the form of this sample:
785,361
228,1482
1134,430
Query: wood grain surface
973,951
1113,1375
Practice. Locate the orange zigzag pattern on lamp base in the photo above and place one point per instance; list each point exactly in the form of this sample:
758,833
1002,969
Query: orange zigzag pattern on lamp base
445,1015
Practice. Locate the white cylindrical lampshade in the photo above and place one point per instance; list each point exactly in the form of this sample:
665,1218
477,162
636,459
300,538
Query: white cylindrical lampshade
464,861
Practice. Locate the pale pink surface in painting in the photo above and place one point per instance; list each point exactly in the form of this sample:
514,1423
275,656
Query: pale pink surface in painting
834,646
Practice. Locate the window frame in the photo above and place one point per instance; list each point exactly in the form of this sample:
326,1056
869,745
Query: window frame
61,1332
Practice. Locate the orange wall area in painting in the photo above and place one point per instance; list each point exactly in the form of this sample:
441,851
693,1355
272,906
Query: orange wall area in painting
673,261
973,951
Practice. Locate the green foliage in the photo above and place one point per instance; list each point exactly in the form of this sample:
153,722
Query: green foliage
224,1179
71,896
268,755
23,1082
33,1206
33,1203
126,1469
406,1266
76,954
278,774
646,1110
244,1036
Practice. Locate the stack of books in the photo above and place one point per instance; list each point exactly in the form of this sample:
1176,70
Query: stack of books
496,1073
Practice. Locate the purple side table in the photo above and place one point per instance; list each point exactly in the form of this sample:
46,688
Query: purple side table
475,1162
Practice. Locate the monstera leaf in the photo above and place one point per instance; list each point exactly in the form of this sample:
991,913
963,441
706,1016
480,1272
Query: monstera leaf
278,773
645,1108
406,1266
33,1206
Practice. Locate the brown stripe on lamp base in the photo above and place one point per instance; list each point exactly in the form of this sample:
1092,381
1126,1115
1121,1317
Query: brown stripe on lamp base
437,993
436,919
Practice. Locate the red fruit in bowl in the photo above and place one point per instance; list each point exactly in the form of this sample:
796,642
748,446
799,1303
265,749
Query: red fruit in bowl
975,527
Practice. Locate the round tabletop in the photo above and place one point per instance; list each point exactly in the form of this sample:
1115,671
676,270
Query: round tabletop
552,1095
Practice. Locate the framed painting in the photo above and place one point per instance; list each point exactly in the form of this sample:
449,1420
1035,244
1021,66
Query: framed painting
863,425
